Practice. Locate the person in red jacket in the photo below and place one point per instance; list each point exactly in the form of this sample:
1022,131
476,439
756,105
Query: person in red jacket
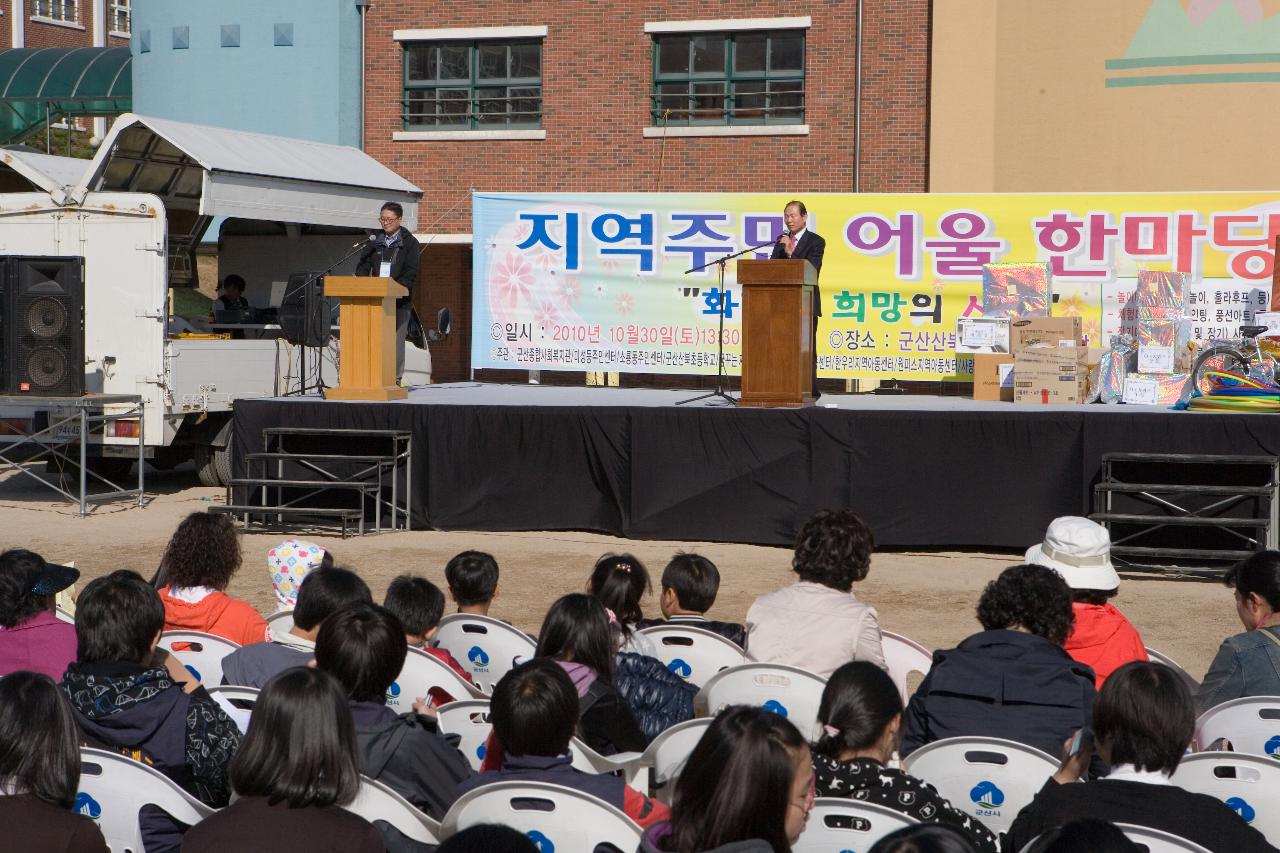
1080,551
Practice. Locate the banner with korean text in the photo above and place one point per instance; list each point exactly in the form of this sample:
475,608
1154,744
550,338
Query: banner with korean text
598,281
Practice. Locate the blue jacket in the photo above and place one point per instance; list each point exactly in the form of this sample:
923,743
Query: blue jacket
1247,664
657,696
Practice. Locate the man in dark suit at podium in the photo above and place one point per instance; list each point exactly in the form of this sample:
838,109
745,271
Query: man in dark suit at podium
800,244
394,253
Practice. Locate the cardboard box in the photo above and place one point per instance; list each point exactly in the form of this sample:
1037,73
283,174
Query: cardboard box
1049,374
1029,331
1016,290
993,377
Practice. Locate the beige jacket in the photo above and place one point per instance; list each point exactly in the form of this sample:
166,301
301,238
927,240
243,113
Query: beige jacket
814,627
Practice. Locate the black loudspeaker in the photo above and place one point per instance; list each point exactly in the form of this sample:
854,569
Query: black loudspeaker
304,312
43,326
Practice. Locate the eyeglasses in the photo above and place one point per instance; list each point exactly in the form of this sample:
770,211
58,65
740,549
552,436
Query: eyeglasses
388,218
810,795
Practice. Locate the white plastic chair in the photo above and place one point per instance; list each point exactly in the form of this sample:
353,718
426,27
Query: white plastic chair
1251,724
469,720
904,656
420,673
694,654
1164,660
836,823
203,657
376,802
588,760
280,623
553,816
990,778
1248,784
237,701
785,690
1158,841
64,615
660,764
113,788
487,648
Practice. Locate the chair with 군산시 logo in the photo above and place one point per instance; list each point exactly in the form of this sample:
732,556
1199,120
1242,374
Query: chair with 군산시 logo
837,823
694,654
200,653
114,788
469,720
788,691
487,648
557,819
423,673
1248,784
1251,724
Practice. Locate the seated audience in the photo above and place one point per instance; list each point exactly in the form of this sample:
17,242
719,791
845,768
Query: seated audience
534,710
363,646
289,563
861,717
924,838
690,583
816,623
472,577
1087,835
31,636
1080,551
40,770
419,605
577,635
296,769
1248,664
488,838
747,786
323,593
620,581
1013,679
1143,722
126,701
197,566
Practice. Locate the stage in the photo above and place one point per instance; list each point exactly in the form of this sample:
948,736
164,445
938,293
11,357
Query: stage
922,471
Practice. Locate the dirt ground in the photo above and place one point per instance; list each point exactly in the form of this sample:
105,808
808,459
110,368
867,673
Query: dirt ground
929,597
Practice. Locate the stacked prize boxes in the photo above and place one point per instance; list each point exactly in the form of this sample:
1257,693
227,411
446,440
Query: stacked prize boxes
1164,335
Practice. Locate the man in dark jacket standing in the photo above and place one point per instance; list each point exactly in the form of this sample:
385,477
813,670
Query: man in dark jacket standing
798,243
395,254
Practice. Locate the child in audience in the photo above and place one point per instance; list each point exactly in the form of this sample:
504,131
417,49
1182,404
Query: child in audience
620,581
295,771
690,583
535,712
925,838
198,563
576,634
1012,680
323,593
1143,722
419,605
1248,664
126,700
40,770
289,564
816,623
747,786
363,646
472,577
488,838
861,717
32,637
1080,551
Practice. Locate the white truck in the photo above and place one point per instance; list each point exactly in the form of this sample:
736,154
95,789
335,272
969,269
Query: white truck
135,213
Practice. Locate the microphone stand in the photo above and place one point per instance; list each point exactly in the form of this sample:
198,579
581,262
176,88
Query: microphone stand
720,392
304,286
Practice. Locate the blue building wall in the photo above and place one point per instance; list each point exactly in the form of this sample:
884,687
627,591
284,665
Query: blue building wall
295,72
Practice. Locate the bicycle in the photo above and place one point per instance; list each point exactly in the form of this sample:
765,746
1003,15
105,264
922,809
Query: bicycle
1235,356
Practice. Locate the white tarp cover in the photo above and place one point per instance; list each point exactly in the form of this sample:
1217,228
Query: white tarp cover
257,176
47,172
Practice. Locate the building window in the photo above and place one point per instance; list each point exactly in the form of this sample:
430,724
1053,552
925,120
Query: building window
230,35
121,21
57,10
754,77
282,35
144,41
181,38
473,85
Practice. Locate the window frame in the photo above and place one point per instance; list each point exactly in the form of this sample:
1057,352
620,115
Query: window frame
44,10
729,76
116,9
474,85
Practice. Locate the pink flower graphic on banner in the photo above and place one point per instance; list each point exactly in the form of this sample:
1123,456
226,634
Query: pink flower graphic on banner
544,260
1199,11
546,314
624,303
512,277
570,290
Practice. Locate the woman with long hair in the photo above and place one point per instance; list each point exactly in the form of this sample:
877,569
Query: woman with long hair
296,768
620,581
747,787
40,770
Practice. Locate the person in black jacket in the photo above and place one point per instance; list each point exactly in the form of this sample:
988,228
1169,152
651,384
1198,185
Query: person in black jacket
395,254
690,583
800,244
1013,680
1143,723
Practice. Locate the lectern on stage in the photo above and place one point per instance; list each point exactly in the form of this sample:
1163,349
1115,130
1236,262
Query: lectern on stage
367,318
777,332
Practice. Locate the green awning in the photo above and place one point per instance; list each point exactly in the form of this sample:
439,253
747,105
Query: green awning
52,82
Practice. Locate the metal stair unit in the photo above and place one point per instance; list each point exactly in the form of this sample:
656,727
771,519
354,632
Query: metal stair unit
288,476
1237,517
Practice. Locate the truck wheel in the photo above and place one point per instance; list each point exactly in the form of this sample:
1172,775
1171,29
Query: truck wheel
213,464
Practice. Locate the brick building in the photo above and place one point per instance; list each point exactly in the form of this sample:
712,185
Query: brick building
636,97
65,23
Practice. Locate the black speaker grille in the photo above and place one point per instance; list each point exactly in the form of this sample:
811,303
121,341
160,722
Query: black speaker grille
43,326
46,318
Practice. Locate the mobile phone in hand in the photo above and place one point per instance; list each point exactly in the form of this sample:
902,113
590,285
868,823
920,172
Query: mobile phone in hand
1083,740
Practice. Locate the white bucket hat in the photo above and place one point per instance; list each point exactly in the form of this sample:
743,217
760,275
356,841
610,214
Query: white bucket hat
1079,550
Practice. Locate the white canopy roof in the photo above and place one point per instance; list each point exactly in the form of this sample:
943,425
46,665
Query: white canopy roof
219,172
47,172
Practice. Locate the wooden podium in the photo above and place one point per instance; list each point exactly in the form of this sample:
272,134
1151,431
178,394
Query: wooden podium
777,332
367,318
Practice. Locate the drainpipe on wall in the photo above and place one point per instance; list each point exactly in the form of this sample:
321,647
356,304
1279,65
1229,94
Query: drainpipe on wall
100,27
18,25
363,7
857,107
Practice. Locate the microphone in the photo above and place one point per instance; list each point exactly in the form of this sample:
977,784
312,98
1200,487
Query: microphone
372,238
785,234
